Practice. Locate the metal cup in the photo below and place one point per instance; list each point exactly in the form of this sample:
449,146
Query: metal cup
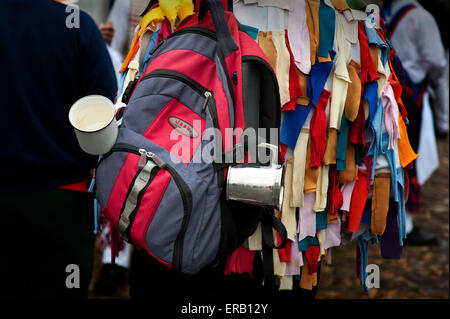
258,185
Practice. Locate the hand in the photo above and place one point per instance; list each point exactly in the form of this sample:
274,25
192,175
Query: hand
107,31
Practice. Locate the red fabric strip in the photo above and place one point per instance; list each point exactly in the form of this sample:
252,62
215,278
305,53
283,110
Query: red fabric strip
335,199
282,155
240,261
77,187
358,201
318,130
312,257
368,71
294,84
356,135
284,253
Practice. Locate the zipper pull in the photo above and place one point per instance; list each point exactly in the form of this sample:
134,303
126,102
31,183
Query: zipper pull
142,159
156,159
207,97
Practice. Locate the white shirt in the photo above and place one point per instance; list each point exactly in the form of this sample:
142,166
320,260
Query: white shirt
418,44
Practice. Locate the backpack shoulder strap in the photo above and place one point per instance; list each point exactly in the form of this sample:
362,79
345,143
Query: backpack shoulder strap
224,37
392,25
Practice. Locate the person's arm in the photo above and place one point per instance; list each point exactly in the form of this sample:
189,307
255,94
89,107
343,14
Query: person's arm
442,101
107,31
98,75
433,57
429,45
119,17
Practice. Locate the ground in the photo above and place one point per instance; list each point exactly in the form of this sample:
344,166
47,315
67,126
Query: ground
422,272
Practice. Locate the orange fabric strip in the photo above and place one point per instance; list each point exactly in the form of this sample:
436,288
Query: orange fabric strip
405,151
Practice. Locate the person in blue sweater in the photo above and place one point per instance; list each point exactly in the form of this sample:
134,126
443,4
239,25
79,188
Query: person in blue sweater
50,56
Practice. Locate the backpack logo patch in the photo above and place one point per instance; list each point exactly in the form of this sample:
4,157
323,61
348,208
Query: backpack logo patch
183,127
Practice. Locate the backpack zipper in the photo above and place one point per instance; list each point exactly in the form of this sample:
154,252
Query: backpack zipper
212,35
198,30
200,89
209,102
186,196
207,97
209,34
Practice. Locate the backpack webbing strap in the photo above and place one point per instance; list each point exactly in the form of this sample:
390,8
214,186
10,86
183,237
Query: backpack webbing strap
268,222
131,201
267,260
229,5
232,157
224,37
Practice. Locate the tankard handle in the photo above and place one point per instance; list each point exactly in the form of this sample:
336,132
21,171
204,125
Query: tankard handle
273,152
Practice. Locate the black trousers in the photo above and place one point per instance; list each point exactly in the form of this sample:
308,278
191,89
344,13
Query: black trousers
148,279
42,233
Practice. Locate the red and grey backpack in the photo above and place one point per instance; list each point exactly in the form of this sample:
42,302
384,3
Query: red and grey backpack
207,74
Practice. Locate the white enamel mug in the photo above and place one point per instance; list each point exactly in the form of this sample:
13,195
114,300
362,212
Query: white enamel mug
94,121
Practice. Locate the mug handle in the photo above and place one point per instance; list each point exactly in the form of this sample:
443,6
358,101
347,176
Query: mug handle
273,152
119,107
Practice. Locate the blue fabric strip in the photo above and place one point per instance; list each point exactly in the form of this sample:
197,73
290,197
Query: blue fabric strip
366,218
317,78
390,156
376,145
292,124
96,204
147,56
123,75
374,38
371,95
401,204
96,216
363,245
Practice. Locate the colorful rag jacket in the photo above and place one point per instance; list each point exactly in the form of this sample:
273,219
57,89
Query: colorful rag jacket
343,137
